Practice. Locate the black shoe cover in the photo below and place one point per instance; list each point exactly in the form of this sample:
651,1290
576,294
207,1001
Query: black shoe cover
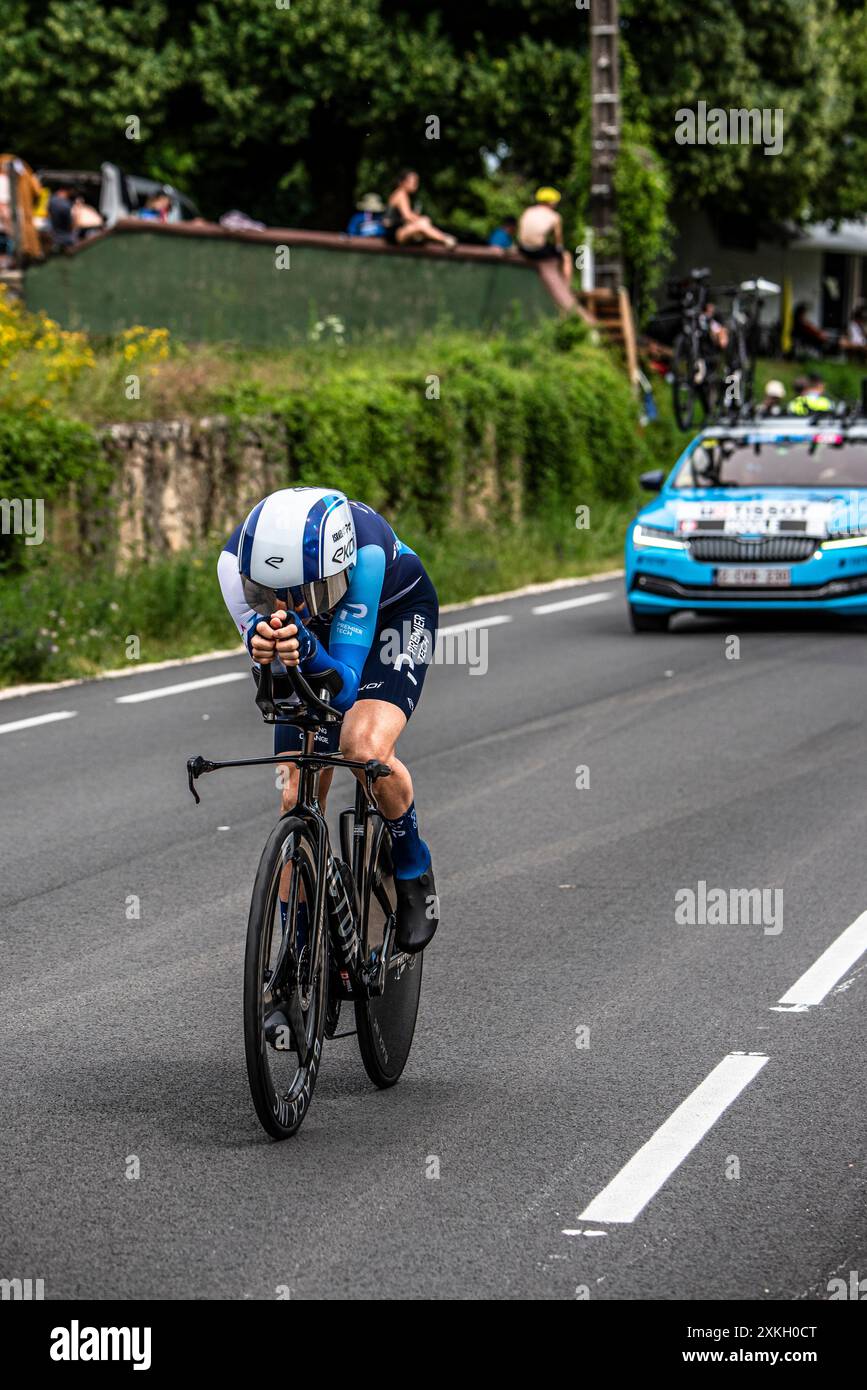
417,911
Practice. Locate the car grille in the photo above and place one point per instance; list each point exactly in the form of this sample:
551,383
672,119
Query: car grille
768,548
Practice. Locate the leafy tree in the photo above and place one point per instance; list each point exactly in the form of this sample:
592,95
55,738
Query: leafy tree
291,113
759,53
74,70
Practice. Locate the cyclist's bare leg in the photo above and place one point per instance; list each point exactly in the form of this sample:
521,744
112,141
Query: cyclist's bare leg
371,729
289,776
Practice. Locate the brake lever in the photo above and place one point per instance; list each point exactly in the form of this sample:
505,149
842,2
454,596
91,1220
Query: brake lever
196,767
373,770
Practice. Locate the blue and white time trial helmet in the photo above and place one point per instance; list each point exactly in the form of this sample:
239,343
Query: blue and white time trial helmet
297,547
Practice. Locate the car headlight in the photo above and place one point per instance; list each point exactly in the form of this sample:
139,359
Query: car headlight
845,541
656,536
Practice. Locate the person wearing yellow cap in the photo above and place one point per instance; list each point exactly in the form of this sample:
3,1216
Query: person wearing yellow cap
540,231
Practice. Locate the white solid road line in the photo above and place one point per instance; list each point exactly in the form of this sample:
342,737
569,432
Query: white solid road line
477,622
572,603
831,966
37,719
180,689
644,1174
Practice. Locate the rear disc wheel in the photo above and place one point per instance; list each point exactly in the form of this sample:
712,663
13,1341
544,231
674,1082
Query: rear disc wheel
386,1023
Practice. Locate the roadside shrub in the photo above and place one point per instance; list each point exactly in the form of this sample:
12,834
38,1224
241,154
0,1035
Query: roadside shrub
49,459
478,449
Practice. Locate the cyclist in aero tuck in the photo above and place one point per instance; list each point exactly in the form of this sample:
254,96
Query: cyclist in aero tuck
347,595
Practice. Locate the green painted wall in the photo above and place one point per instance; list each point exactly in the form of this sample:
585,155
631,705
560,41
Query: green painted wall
216,289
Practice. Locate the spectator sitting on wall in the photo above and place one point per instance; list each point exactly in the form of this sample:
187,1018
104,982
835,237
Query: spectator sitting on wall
367,221
805,333
540,232
157,208
403,224
85,219
60,206
503,236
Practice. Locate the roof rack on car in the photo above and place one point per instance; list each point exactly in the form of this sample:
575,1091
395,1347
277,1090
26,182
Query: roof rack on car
843,415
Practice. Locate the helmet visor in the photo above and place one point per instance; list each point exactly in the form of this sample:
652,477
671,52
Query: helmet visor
262,599
324,594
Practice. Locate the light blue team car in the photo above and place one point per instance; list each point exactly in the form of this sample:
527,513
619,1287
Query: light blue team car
763,516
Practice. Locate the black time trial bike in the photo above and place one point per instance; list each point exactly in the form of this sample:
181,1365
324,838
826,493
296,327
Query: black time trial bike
321,928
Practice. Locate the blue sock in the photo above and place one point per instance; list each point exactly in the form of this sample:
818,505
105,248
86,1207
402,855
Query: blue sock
409,853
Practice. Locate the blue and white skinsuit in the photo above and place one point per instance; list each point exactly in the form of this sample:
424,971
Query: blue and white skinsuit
381,638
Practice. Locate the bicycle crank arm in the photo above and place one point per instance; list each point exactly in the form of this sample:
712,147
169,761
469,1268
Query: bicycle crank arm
296,1022
373,972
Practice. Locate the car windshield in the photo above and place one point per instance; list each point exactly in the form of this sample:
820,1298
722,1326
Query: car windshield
825,460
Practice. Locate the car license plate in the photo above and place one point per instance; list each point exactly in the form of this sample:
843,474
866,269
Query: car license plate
746,578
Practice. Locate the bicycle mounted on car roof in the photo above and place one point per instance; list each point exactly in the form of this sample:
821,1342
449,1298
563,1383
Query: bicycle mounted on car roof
715,374
693,350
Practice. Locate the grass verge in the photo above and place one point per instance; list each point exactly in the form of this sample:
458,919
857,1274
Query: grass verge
60,622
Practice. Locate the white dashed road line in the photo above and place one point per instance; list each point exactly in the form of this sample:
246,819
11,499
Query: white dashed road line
494,621
182,688
571,603
831,966
37,719
630,1191
638,1182
497,618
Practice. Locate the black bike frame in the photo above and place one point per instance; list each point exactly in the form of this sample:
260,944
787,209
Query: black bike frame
361,978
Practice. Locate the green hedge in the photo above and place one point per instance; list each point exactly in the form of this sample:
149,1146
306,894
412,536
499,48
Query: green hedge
544,417
556,417
46,457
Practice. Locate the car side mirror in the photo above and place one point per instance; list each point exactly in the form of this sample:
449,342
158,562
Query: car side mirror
652,481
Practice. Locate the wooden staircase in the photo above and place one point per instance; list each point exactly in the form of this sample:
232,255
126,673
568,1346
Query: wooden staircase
612,315
608,312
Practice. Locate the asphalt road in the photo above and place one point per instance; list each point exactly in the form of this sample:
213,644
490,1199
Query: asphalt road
567,1016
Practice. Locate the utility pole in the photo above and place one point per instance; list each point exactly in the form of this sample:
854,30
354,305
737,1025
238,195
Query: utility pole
605,135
